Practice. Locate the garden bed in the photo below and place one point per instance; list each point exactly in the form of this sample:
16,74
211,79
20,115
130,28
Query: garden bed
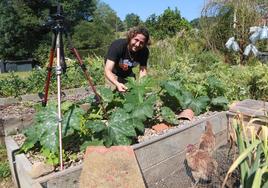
161,158
18,114
161,155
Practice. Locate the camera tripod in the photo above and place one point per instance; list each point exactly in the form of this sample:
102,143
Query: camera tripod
57,44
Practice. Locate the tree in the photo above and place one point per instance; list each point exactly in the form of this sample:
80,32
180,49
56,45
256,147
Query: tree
95,36
132,20
21,22
195,23
151,23
17,22
167,24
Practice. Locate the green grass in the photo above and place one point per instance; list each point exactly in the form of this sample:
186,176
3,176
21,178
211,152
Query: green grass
21,75
4,166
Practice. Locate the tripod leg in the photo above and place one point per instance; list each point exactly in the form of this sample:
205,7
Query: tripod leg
49,69
83,67
60,55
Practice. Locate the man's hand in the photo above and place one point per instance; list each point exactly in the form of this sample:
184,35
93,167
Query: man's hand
121,87
143,71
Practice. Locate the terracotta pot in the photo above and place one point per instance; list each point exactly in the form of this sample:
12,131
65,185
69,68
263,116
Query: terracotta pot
186,114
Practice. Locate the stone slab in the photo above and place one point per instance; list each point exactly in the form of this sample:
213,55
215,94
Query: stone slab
110,168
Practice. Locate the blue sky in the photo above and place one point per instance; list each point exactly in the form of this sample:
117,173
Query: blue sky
189,9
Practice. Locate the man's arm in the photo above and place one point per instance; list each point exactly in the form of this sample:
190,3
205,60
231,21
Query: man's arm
109,65
143,71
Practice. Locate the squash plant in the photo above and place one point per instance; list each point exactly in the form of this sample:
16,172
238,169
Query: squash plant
120,124
126,112
117,120
44,132
174,90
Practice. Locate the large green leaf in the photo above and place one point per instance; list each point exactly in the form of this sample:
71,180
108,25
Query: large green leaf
44,129
50,109
143,111
199,104
173,88
106,94
95,142
120,128
50,139
137,124
118,116
131,83
71,120
219,101
129,107
168,115
185,99
65,106
132,98
123,128
143,82
117,138
95,126
32,137
138,89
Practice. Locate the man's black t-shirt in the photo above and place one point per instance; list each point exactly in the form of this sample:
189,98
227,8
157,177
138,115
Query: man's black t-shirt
119,53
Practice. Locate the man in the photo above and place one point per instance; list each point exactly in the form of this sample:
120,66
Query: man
123,55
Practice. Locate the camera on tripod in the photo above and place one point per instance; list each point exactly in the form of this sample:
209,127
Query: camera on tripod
55,18
56,12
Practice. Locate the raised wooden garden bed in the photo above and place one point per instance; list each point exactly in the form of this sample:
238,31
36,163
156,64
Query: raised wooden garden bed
161,159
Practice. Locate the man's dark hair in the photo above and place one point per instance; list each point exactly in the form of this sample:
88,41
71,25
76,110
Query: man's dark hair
138,30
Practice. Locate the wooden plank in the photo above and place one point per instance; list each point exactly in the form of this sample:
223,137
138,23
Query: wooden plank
175,163
167,145
11,146
24,166
250,107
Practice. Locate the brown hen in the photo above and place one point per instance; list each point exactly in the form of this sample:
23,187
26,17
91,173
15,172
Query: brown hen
201,164
208,139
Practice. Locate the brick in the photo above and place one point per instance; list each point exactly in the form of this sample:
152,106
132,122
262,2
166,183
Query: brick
160,127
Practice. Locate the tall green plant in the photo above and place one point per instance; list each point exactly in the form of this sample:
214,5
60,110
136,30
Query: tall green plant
253,154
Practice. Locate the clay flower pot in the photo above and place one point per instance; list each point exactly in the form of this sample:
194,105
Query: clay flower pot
186,114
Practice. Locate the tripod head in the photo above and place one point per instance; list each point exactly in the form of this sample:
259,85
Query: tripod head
56,19
56,12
